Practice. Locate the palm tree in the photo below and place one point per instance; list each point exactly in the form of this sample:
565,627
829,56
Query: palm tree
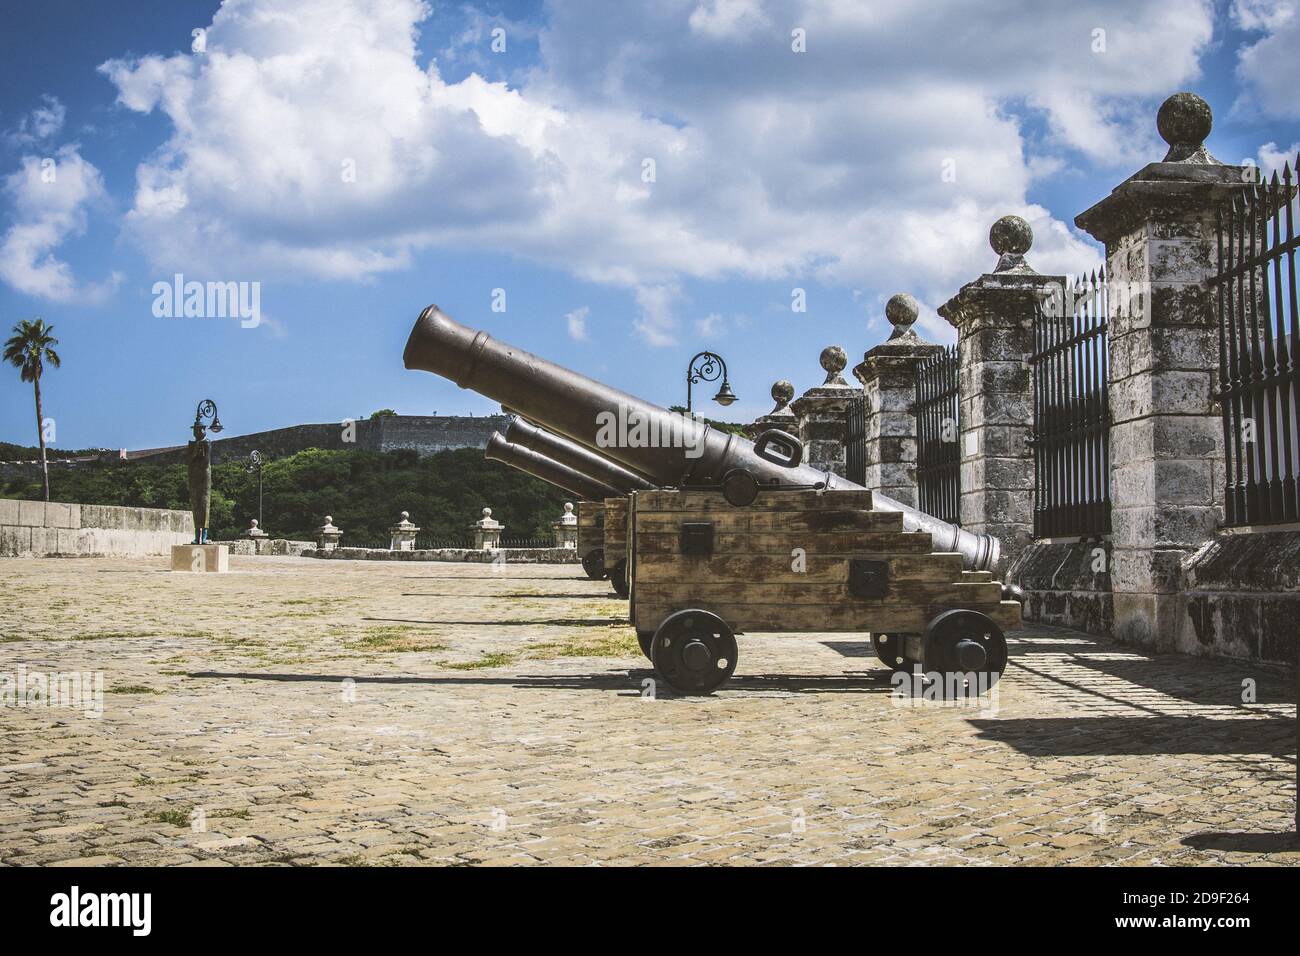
27,350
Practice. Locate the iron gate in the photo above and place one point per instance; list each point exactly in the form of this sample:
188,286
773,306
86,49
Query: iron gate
938,458
1071,428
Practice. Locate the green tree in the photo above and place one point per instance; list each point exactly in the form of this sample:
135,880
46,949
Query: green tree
28,349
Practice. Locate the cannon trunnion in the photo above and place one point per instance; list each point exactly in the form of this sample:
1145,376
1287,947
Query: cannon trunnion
702,571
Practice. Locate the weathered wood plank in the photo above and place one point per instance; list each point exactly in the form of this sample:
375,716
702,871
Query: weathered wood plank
842,543
615,531
899,619
691,589
672,500
744,520
764,569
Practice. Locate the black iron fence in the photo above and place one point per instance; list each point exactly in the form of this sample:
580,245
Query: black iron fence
938,457
1071,425
855,441
1259,342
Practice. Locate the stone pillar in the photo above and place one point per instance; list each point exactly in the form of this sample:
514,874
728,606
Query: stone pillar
566,528
487,532
994,319
327,536
1166,437
402,535
888,376
780,416
823,415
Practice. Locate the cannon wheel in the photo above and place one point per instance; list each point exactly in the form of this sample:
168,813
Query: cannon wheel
965,643
644,638
618,577
889,649
694,651
593,563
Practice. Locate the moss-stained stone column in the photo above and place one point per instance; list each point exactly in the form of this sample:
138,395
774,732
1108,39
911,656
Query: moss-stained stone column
823,415
994,318
780,416
888,376
1166,451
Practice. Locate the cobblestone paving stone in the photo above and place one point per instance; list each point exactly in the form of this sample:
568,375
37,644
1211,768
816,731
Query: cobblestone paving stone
310,712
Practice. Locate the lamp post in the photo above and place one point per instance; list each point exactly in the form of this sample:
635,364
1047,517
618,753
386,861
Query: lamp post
707,367
208,409
254,466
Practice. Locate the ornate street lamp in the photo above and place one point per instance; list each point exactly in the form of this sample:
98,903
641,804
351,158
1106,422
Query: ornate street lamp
208,409
707,367
254,466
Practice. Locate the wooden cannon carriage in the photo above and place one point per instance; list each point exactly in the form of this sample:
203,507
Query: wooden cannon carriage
703,570
591,538
615,543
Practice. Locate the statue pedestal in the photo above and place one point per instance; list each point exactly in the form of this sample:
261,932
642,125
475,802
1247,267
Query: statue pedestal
201,557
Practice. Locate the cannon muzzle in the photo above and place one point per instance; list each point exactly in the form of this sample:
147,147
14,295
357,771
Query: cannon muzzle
585,462
547,469
671,449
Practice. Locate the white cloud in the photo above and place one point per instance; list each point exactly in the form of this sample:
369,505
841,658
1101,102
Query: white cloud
49,197
577,323
41,124
711,326
1269,67
769,164
657,323
1272,159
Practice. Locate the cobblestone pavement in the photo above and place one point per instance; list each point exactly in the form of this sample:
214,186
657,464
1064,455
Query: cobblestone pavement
412,713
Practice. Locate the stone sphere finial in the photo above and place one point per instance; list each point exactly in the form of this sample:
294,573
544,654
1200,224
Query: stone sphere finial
833,359
568,507
329,519
406,515
487,512
1011,235
252,523
901,310
1185,120
783,392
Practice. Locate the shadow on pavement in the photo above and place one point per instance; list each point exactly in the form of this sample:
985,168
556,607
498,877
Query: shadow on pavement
1244,842
1159,734
623,680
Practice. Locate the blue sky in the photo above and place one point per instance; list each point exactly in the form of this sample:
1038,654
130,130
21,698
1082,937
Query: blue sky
524,169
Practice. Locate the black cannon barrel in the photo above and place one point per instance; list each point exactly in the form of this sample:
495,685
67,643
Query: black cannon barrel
671,448
547,469
580,459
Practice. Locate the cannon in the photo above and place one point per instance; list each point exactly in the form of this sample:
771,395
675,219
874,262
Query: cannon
547,469
535,438
669,448
611,539
742,536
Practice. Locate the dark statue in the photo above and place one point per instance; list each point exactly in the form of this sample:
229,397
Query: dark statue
198,466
